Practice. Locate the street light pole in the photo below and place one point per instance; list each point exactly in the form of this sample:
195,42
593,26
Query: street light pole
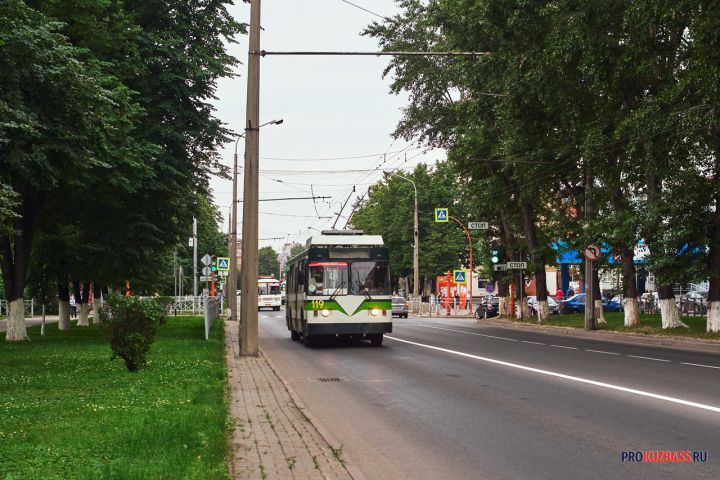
416,252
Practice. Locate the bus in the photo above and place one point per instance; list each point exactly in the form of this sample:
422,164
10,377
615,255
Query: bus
339,286
269,293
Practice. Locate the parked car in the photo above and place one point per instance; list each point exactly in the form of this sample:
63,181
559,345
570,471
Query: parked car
399,307
576,304
693,303
488,307
552,305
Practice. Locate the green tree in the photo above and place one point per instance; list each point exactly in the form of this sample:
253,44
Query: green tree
268,263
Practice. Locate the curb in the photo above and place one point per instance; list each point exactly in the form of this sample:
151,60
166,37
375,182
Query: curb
619,337
350,467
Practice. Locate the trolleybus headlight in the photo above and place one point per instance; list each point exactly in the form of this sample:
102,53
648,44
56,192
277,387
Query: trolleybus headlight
325,312
375,312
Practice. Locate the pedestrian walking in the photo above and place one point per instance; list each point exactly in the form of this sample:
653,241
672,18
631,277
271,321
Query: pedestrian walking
73,307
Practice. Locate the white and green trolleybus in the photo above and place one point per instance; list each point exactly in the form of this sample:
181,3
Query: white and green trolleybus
340,286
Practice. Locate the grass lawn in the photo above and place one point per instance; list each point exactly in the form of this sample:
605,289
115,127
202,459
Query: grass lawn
649,324
69,412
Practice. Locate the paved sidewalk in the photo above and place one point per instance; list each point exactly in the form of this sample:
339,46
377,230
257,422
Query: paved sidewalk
273,439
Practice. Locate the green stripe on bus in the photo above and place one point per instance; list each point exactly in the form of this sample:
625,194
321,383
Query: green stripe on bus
324,305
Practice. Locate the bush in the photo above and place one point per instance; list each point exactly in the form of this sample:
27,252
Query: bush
131,324
167,303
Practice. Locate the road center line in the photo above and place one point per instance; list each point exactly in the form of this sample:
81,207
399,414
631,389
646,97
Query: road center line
601,351
534,343
610,386
649,358
699,365
563,346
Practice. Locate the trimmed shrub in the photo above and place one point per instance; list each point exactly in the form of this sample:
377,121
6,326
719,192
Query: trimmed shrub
131,324
167,303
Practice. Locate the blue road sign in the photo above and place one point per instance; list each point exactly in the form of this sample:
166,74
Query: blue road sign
460,276
223,264
441,215
489,288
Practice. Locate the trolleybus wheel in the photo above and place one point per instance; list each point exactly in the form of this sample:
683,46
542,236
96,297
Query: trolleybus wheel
295,335
376,339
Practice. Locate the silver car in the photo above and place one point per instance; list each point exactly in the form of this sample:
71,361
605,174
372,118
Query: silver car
399,307
552,305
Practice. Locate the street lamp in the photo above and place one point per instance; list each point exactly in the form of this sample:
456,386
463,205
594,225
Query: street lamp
416,252
232,276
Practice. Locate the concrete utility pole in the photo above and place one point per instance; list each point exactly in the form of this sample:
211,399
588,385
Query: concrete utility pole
195,279
589,297
231,288
416,252
248,280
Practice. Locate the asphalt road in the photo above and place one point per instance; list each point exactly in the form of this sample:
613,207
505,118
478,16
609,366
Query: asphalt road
450,399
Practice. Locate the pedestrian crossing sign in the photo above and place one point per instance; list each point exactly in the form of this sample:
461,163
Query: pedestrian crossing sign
460,277
441,215
223,264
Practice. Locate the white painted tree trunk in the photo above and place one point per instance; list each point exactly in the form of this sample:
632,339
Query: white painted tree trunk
16,328
601,313
523,311
670,314
83,313
97,306
543,311
63,315
713,317
503,305
632,312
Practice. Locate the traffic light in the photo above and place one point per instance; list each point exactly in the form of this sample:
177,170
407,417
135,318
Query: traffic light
213,264
495,256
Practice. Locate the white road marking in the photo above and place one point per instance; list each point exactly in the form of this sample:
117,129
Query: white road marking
463,331
649,358
563,346
610,386
699,365
601,351
534,343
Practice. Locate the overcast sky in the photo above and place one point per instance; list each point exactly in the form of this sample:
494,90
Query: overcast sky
333,108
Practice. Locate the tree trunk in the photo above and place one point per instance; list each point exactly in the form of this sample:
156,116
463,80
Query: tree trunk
669,312
713,298
16,328
521,306
630,300
81,304
14,262
538,261
597,295
97,303
502,293
63,305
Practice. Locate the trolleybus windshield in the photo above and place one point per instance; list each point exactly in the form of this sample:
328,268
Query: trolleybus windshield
328,278
371,278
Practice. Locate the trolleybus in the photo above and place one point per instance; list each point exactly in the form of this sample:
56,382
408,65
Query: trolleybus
269,293
339,286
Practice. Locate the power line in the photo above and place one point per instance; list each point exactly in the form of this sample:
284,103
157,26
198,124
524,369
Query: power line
324,159
365,9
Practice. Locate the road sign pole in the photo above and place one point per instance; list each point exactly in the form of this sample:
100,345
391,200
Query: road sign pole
467,234
195,272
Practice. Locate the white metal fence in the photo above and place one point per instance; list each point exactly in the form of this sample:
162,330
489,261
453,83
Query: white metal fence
29,307
213,308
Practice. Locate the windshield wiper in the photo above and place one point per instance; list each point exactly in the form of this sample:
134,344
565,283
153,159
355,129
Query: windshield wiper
342,284
363,289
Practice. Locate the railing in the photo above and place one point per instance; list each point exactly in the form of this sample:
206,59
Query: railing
28,308
213,307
